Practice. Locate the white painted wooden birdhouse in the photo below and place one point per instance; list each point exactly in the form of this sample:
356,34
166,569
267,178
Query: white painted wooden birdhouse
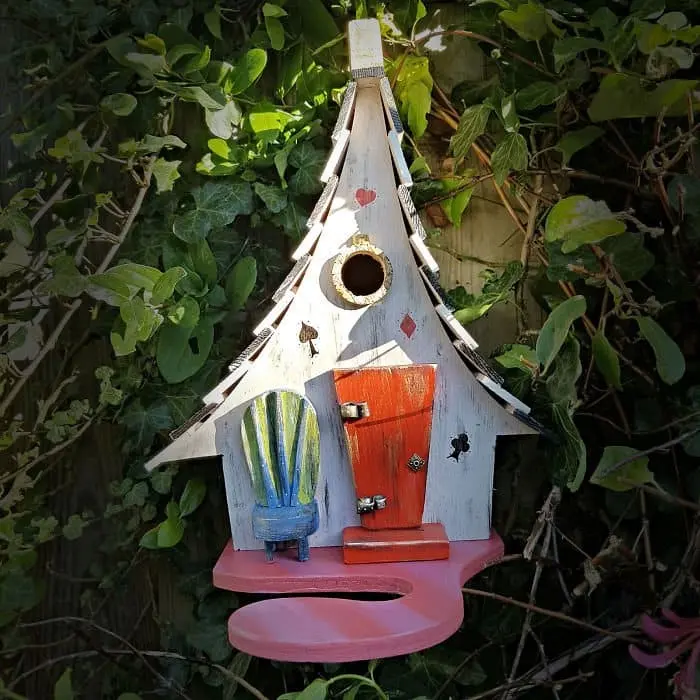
357,431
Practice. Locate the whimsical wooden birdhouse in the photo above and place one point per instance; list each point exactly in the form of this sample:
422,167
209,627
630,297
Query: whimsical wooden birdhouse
358,429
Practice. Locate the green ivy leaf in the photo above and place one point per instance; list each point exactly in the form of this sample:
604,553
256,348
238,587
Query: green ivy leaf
120,104
528,21
510,154
472,124
185,312
612,475
164,288
274,198
496,289
309,161
203,260
74,149
239,666
509,115
216,204
647,8
248,69
670,363
538,94
556,328
145,15
606,359
192,497
145,423
571,455
578,220
275,32
317,690
63,690
170,533
211,638
73,529
564,374
221,122
419,100
18,224
454,206
627,252
212,20
181,351
165,173
518,356
574,141
151,144
622,96
241,282
147,65
566,50
149,540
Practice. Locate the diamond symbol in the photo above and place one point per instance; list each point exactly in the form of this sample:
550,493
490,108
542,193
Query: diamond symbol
408,325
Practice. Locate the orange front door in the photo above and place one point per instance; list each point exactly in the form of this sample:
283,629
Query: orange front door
389,448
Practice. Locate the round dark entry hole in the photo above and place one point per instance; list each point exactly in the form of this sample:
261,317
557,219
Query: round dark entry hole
362,274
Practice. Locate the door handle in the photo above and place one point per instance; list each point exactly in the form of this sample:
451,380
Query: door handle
368,504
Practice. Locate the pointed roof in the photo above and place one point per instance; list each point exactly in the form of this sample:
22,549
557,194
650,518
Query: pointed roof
367,71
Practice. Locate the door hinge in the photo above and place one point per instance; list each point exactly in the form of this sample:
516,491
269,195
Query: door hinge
354,410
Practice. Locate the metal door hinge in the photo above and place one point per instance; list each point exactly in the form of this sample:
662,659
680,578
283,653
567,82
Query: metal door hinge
369,504
354,410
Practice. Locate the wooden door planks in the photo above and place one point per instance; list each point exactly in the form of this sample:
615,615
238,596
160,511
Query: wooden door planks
382,445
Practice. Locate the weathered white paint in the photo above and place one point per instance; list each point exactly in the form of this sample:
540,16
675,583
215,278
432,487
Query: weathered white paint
275,313
399,160
336,156
499,391
455,326
365,43
458,492
424,255
308,241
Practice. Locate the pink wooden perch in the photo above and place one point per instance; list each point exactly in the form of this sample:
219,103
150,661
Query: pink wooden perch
317,629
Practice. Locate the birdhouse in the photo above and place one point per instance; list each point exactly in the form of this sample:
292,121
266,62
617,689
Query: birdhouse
357,431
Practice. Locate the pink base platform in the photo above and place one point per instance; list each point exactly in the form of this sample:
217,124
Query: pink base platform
317,629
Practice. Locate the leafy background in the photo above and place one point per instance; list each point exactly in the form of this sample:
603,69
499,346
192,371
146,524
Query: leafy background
160,159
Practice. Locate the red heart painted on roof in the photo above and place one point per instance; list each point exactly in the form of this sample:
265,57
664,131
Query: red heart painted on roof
364,197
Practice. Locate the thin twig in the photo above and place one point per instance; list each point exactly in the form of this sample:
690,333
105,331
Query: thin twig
647,540
544,520
486,40
657,448
77,303
550,613
103,630
72,68
528,685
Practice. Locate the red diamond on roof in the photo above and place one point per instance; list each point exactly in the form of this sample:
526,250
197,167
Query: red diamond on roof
408,325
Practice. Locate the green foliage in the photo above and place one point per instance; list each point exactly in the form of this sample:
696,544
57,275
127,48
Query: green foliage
496,289
157,177
556,328
578,220
620,469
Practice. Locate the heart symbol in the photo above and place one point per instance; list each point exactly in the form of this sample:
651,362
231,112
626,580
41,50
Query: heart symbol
364,197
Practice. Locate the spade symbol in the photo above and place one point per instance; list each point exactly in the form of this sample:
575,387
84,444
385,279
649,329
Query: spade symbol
307,334
459,444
